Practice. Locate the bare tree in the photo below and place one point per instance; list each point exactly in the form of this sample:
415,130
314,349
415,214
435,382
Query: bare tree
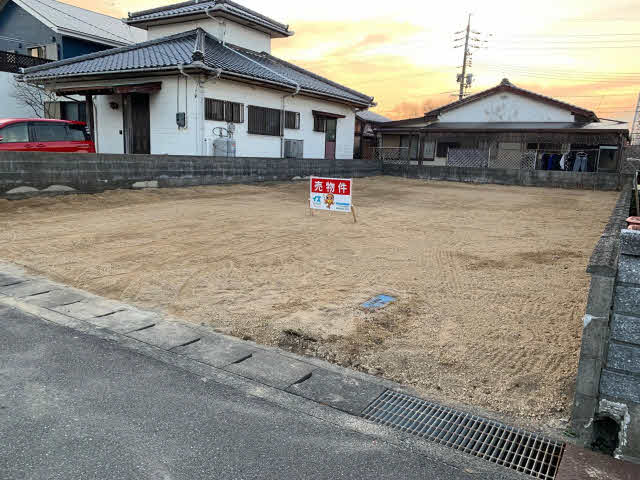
34,98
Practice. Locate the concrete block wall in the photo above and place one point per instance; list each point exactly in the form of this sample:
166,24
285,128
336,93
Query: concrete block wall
620,378
505,176
608,380
32,172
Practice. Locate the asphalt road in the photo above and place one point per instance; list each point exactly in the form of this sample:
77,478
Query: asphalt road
74,406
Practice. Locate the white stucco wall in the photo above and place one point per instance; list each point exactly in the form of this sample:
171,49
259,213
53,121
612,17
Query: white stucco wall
179,94
10,107
507,107
236,34
250,145
108,124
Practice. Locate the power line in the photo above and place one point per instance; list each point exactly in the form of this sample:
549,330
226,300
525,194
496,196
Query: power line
560,76
558,70
599,96
570,35
585,43
566,48
572,76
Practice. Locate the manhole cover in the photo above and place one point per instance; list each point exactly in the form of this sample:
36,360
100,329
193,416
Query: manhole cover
511,447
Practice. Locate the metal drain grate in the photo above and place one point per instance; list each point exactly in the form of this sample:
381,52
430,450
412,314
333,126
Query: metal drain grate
508,446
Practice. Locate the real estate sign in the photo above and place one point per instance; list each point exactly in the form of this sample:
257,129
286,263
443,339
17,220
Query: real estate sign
331,194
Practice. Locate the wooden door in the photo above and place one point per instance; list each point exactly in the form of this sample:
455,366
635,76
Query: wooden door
330,139
137,123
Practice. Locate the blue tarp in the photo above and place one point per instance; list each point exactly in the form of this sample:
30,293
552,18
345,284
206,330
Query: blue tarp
378,301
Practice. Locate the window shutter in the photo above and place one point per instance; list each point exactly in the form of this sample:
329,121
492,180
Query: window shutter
214,109
264,121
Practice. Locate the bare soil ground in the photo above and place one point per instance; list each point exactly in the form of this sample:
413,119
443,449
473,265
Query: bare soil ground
490,280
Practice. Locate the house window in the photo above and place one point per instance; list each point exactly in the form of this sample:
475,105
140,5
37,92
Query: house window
38,52
292,120
319,124
223,111
264,121
233,112
213,109
429,150
443,148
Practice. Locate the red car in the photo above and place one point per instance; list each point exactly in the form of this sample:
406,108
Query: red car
44,135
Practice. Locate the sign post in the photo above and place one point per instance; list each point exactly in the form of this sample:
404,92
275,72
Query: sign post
332,194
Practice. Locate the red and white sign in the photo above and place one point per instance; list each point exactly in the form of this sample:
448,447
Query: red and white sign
331,194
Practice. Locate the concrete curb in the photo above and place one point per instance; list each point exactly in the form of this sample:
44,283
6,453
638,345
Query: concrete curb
307,385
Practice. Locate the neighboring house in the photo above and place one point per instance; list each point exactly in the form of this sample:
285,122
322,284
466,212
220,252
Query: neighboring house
512,128
365,138
33,32
207,70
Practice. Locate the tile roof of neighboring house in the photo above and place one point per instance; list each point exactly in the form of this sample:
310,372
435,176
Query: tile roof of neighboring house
517,126
195,8
369,116
78,22
195,49
507,86
603,126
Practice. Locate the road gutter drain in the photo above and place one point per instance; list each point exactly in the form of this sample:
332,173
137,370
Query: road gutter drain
510,447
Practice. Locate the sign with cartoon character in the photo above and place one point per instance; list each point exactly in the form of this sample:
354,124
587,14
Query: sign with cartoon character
331,194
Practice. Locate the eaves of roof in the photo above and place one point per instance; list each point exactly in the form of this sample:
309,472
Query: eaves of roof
384,128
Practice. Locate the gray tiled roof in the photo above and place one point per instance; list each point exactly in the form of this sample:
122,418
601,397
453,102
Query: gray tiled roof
169,52
78,21
369,116
194,7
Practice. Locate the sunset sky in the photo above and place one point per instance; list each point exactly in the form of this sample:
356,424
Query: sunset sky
585,52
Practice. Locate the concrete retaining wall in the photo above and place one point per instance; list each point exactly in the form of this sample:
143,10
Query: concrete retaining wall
504,176
608,381
31,172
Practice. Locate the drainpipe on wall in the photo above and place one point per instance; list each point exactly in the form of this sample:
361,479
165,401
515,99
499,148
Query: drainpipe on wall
283,119
199,146
220,22
296,84
297,90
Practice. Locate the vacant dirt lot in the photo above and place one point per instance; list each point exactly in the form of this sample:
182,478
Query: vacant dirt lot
490,280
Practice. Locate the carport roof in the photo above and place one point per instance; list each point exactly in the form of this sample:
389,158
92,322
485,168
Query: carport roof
193,50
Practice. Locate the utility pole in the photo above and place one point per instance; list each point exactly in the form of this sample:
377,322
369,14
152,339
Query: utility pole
635,129
465,57
470,43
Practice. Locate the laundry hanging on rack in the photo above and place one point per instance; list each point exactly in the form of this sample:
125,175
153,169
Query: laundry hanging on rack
580,165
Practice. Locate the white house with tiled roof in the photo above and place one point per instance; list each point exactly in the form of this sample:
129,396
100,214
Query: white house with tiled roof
206,75
509,127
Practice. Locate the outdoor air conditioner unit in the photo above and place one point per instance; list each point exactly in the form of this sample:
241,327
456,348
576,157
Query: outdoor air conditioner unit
293,148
